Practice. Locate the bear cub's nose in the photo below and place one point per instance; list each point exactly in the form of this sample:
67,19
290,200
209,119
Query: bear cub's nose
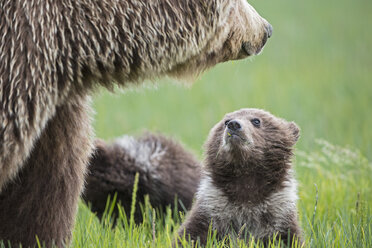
234,125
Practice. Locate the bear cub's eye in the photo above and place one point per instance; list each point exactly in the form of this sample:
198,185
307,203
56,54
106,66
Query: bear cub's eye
227,122
256,122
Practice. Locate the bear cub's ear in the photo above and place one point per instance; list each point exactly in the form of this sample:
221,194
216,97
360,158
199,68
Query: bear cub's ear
295,130
100,148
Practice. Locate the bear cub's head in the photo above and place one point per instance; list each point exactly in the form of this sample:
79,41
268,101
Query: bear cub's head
250,139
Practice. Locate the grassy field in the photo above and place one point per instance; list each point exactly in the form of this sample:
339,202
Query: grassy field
315,70
335,208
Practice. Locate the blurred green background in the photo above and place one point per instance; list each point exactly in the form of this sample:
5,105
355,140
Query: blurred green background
315,70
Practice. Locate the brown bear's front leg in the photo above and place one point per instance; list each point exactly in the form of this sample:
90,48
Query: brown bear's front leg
195,226
43,199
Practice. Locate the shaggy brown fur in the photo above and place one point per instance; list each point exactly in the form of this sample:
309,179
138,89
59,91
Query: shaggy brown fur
165,167
53,53
42,199
247,179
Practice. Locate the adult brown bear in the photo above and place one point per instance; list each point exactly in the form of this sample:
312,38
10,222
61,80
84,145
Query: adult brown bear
53,53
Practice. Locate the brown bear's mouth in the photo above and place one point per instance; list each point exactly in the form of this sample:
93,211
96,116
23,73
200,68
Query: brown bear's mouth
237,139
232,137
247,48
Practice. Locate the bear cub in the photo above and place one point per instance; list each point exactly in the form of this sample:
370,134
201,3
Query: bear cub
247,182
166,170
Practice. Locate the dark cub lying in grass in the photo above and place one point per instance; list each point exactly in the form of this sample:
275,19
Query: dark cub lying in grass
247,180
166,170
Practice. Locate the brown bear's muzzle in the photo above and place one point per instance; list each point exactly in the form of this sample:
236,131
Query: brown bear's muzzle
248,49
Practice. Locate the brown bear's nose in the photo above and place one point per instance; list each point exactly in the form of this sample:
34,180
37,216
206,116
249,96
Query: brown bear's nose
234,125
267,34
269,30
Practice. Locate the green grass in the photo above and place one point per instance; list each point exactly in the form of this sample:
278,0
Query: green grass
315,70
334,179
335,191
